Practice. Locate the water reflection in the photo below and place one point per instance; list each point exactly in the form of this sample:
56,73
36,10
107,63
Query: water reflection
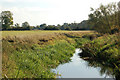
77,68
108,68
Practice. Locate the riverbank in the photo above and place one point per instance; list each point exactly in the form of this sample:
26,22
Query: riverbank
104,47
31,54
77,68
104,52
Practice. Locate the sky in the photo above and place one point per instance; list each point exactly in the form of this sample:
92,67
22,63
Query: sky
51,12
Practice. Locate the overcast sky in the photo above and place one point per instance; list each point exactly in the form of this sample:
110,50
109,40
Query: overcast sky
36,12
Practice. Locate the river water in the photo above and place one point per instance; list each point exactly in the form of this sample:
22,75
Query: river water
78,68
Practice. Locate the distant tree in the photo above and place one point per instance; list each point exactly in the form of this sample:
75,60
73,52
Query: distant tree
6,19
17,25
37,27
51,27
67,28
58,26
43,26
26,26
63,27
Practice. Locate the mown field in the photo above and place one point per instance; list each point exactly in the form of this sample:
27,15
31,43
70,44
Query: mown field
32,54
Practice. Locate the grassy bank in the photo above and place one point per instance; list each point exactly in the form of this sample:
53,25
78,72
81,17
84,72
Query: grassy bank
104,52
104,47
31,54
35,61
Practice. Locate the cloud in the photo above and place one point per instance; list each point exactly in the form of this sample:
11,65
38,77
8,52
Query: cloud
9,0
37,12
29,14
20,0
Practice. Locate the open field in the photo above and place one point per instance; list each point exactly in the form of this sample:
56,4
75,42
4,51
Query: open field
30,54
57,35
38,32
39,36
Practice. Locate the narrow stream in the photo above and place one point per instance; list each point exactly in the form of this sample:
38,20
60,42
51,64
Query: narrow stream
78,68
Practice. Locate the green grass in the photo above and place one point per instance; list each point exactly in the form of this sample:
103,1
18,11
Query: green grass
36,61
32,54
104,52
104,48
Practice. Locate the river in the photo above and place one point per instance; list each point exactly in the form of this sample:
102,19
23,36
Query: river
78,68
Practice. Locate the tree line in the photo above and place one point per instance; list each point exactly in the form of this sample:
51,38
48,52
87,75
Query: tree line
66,26
105,19
7,24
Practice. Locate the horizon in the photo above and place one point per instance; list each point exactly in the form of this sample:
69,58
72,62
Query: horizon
53,12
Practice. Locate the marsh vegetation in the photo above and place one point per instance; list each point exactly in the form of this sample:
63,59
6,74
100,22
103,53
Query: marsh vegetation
33,53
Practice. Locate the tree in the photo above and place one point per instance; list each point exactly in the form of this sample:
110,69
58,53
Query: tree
43,26
17,25
51,27
26,26
119,13
67,28
6,19
105,18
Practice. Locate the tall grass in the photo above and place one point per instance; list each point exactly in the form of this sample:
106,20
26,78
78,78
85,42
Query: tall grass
32,54
36,61
104,53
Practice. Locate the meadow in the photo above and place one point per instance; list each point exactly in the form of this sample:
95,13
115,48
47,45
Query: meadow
32,51
31,54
